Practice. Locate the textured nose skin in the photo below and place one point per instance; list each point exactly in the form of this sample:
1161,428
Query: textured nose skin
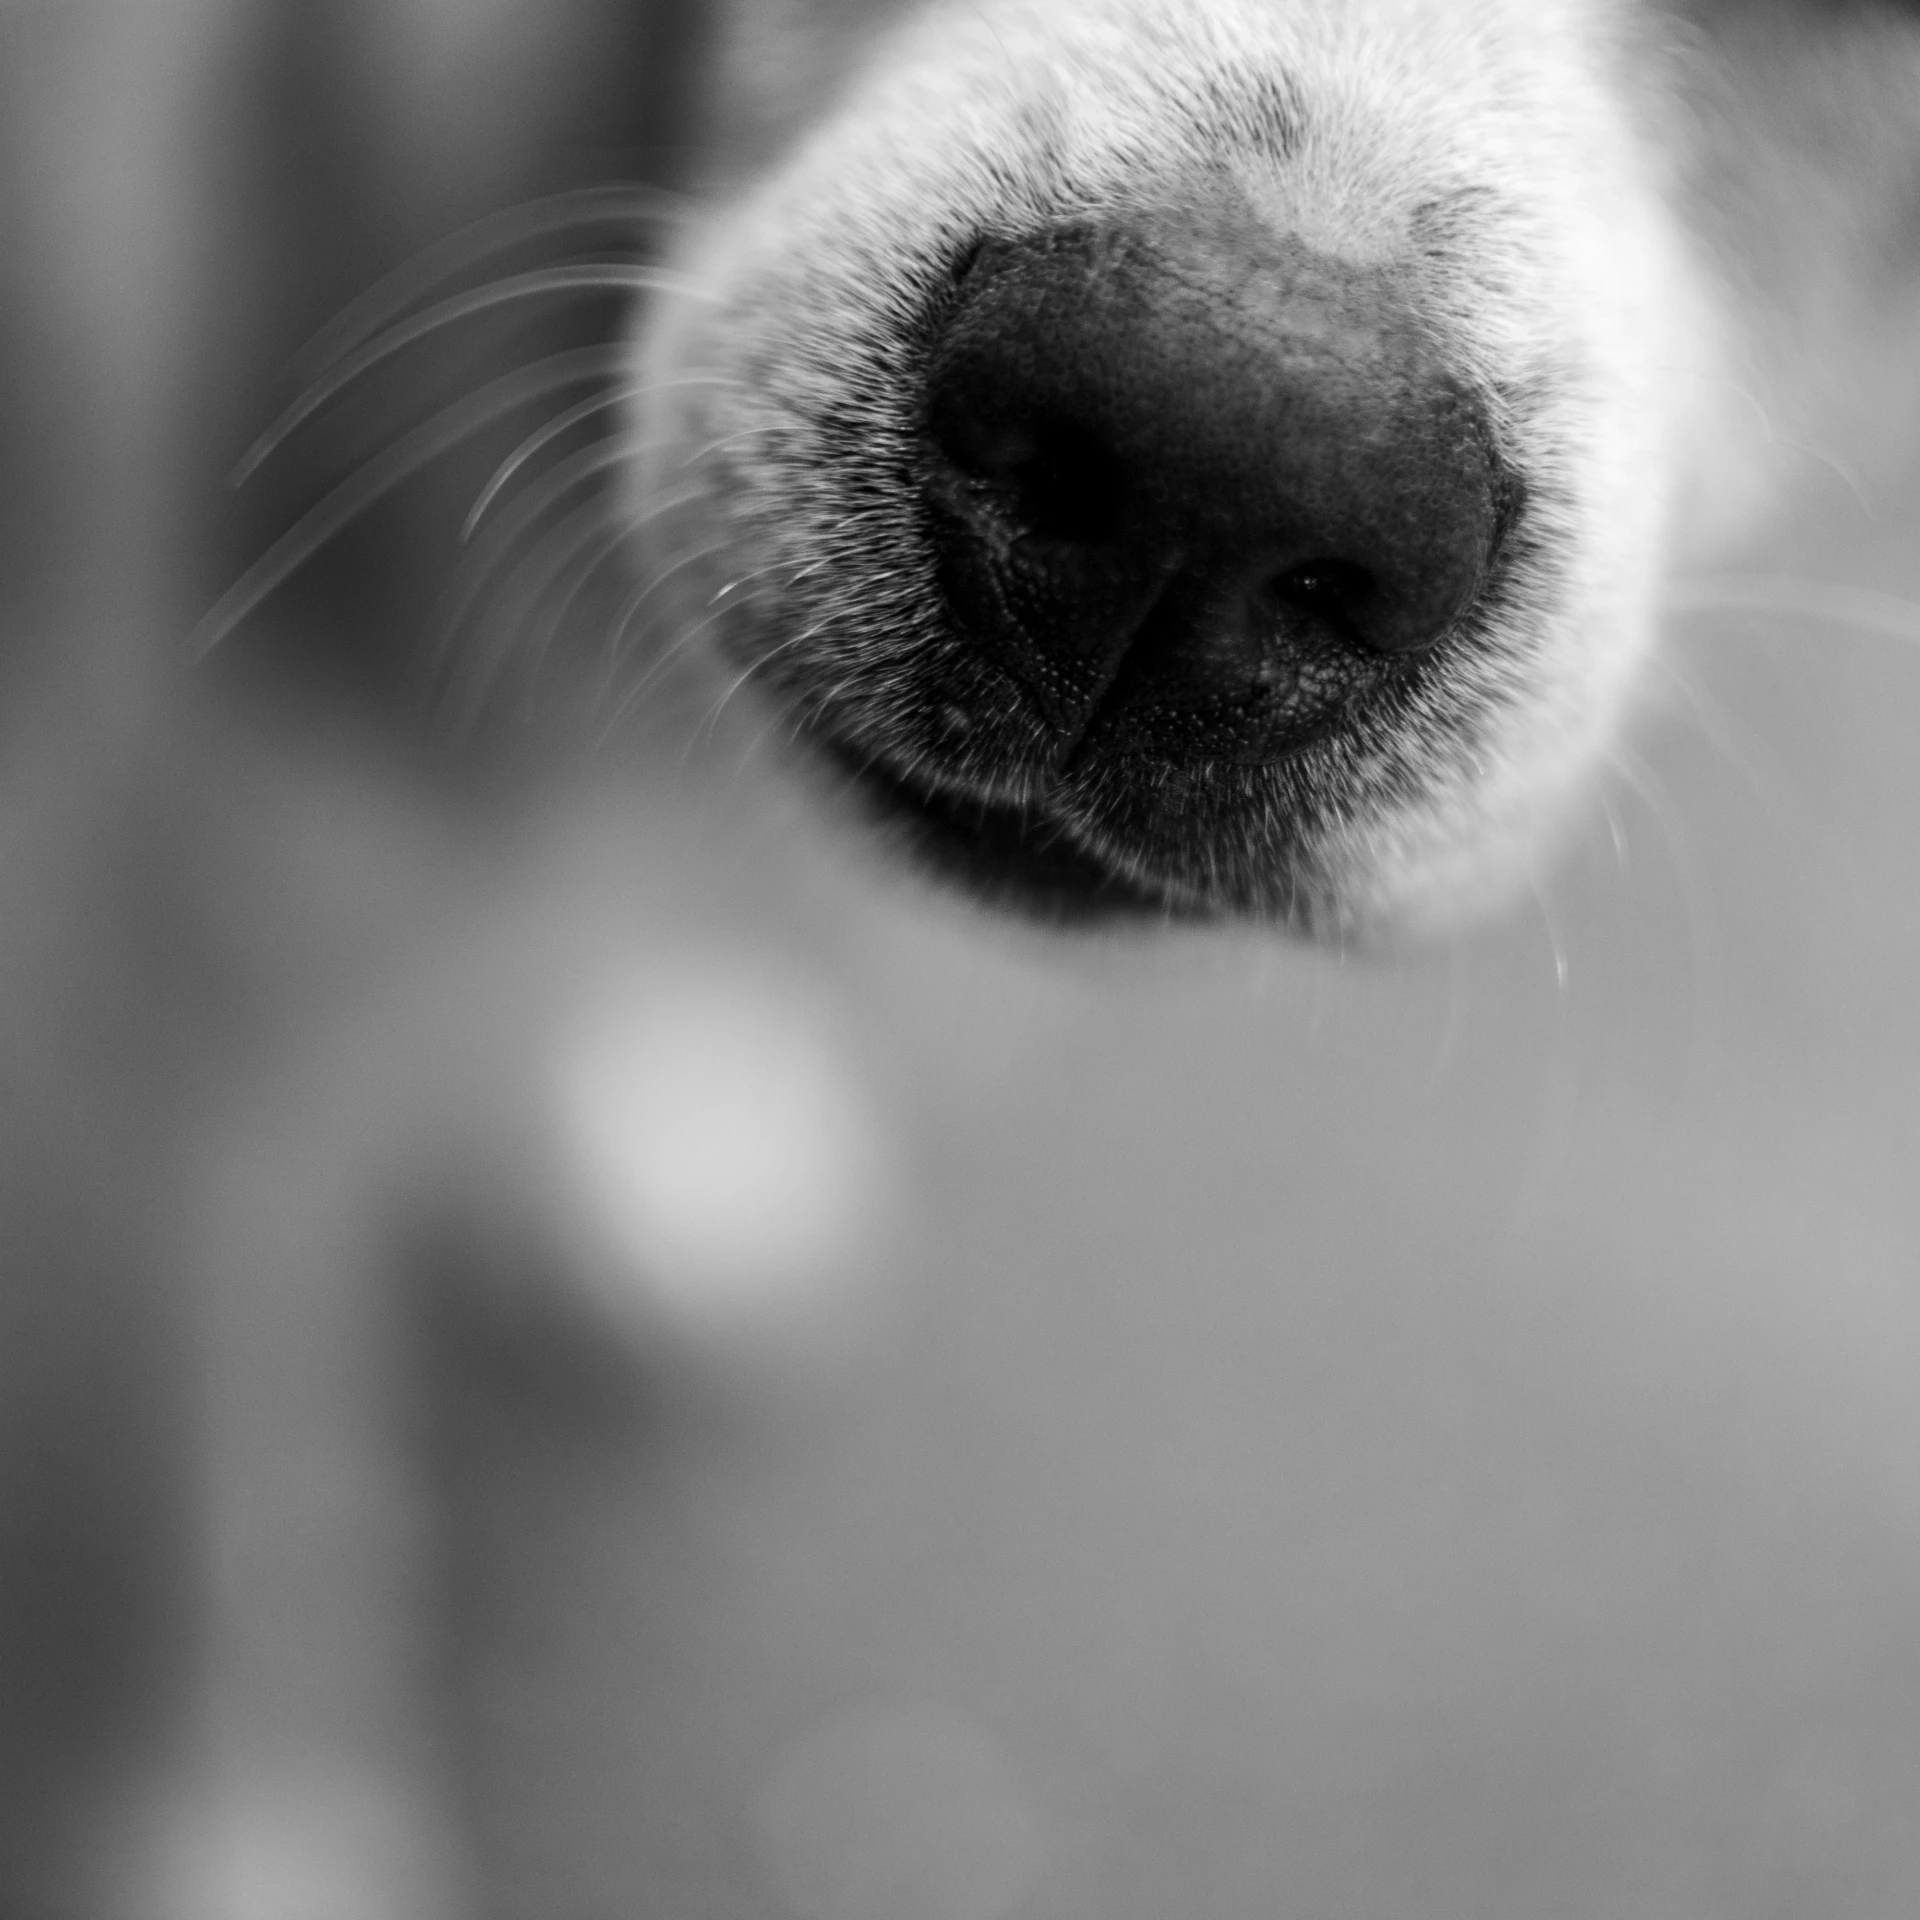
1196,487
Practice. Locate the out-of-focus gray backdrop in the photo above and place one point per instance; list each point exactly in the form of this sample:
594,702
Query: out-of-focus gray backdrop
574,1344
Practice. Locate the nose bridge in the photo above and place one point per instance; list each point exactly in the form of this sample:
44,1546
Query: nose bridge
1187,345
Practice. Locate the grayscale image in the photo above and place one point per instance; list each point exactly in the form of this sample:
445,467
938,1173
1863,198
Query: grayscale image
959,960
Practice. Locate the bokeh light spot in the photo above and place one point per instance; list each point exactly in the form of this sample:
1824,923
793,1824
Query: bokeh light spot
725,1156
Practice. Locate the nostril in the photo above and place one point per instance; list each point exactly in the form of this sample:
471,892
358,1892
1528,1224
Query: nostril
1407,602
1339,593
1050,479
1068,487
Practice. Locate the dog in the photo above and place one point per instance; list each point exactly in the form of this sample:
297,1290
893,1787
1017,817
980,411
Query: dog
1132,463
1019,410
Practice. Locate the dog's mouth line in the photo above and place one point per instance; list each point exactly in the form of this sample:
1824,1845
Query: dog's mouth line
1014,850
936,795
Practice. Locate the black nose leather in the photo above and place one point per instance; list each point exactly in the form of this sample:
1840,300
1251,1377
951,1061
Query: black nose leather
1195,486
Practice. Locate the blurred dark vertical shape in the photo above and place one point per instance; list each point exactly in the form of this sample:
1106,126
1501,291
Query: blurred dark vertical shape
114,531
335,182
314,216
33,472
643,107
336,185
93,1484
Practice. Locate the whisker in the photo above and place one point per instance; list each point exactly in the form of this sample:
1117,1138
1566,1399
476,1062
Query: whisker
1841,469
1556,946
629,608
583,565
546,435
681,645
602,277
1784,596
1704,945
515,226
683,641
1741,748
640,596
538,499
532,576
754,669
1616,831
413,451
551,555
726,593
541,437
790,719
708,730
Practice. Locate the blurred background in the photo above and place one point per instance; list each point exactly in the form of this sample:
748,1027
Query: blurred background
574,1343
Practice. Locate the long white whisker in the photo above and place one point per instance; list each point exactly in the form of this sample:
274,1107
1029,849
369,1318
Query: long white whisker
1842,470
598,278
1556,946
413,451
1703,941
1743,750
582,566
541,497
496,233
541,437
754,668
1783,596
541,566
641,595
683,641
629,609
572,417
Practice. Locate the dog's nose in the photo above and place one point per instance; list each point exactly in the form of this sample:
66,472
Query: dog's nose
1196,486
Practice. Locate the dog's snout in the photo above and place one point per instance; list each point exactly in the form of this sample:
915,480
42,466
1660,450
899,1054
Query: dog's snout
1195,486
